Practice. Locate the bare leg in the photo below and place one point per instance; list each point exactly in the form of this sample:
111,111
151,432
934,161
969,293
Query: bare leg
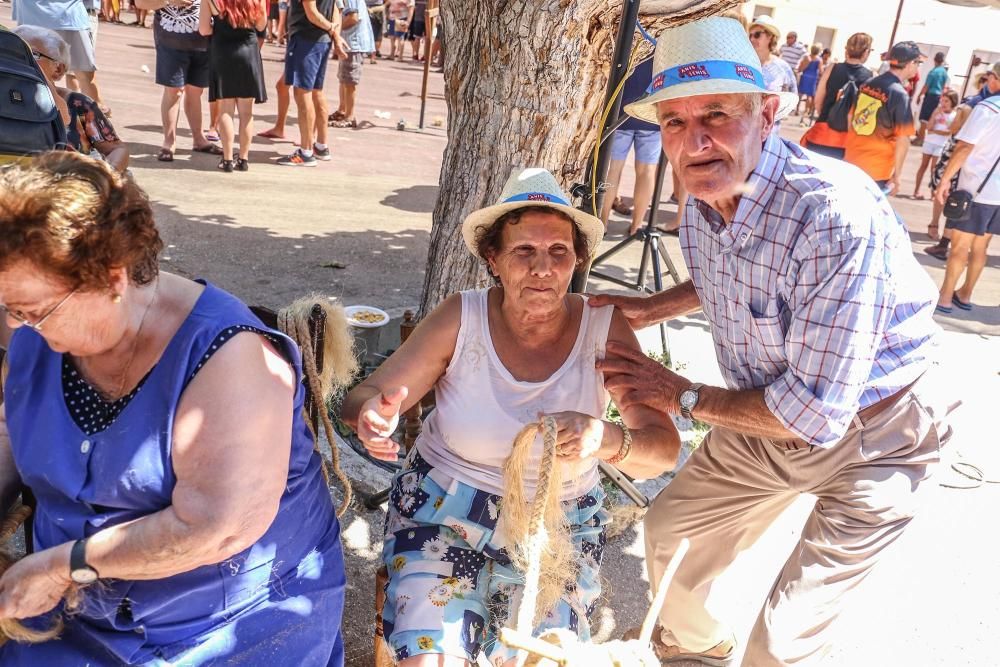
192,111
645,179
341,98
213,116
307,117
614,178
170,107
348,93
73,83
925,160
977,262
245,107
319,104
933,228
88,86
227,108
958,259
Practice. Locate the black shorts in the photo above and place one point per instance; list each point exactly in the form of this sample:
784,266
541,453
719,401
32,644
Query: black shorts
176,68
417,30
928,106
273,14
376,20
983,219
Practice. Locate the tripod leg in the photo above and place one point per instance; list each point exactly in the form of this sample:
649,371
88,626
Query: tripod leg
671,269
655,251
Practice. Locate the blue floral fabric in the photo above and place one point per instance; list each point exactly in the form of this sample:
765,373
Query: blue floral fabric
451,584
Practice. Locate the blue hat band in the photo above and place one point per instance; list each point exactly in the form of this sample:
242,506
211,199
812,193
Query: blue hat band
705,70
537,198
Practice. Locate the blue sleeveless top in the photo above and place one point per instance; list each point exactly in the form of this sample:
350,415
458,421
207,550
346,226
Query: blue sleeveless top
84,483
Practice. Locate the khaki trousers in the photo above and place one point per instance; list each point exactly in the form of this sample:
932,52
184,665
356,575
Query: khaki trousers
733,487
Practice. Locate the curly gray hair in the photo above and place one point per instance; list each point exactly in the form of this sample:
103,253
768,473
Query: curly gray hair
47,41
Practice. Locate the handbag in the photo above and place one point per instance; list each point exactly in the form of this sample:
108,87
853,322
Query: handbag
958,205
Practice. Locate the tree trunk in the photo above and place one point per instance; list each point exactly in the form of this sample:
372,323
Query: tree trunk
524,83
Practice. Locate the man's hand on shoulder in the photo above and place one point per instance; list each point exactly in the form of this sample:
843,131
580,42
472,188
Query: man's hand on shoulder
636,309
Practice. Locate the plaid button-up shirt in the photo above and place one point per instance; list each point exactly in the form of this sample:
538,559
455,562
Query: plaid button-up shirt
812,291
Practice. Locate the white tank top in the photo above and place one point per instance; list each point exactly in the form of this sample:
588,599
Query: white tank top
481,407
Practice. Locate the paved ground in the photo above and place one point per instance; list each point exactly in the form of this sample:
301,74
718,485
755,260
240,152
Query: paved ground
270,234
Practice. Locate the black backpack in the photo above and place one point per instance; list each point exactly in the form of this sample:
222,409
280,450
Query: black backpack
29,119
840,113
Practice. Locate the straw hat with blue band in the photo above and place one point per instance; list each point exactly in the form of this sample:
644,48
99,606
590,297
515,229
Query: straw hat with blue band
531,187
711,56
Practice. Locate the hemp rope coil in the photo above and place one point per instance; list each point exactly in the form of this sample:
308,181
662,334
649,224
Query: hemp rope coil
540,543
339,368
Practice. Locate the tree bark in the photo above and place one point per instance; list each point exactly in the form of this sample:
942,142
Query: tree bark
524,84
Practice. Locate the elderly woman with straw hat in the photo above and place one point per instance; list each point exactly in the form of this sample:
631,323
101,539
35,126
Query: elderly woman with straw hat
822,322
497,358
159,425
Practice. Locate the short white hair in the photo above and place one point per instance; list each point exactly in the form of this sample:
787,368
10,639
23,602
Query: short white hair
51,43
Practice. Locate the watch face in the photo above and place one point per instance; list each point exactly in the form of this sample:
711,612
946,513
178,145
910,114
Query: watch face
84,576
688,398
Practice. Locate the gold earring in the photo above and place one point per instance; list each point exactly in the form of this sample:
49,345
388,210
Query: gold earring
117,298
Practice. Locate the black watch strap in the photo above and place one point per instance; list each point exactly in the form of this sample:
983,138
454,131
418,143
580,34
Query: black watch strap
78,557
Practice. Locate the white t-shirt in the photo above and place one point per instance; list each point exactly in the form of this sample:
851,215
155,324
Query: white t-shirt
982,129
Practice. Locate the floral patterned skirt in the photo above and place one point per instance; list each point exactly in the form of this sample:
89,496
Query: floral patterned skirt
451,585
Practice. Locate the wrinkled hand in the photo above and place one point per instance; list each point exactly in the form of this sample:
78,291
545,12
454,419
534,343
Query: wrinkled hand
378,420
634,379
36,583
636,309
942,191
578,436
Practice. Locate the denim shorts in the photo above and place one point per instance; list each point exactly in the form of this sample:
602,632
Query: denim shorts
983,219
647,145
176,68
305,63
451,585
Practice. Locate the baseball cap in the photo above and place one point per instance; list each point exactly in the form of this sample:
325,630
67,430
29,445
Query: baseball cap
905,52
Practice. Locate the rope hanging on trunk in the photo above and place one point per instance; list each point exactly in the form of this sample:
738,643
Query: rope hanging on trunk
339,368
11,628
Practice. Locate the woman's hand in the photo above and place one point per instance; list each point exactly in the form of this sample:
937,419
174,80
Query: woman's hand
578,436
36,583
377,421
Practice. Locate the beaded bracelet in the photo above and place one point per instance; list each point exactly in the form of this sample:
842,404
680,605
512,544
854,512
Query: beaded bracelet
626,447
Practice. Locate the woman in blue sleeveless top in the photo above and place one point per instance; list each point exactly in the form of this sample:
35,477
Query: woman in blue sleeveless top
159,425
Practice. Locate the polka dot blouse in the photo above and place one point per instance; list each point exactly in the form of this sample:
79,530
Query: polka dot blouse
93,413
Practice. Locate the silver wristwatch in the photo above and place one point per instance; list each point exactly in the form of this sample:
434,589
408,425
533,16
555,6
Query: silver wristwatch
689,399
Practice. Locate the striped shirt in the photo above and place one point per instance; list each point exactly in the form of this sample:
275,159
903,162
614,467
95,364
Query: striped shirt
793,54
812,291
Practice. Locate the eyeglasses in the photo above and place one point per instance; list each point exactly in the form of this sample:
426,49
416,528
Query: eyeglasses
21,318
39,54
757,33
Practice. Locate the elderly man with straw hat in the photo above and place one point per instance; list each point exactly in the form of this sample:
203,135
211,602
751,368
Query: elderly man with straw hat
821,320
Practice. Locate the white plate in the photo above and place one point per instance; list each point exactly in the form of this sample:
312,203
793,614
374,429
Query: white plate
350,311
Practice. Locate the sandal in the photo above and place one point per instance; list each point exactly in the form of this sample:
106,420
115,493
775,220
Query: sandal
336,115
165,155
270,134
211,135
211,149
242,165
964,305
226,166
344,123
618,206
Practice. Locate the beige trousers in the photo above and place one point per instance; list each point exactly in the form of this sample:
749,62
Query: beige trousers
733,487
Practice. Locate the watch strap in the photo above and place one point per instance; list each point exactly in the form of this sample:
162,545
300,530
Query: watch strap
696,388
78,557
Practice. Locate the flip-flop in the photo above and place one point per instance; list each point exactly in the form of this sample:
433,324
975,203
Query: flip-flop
165,155
270,134
918,197
343,123
964,305
944,310
212,136
211,149
336,115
